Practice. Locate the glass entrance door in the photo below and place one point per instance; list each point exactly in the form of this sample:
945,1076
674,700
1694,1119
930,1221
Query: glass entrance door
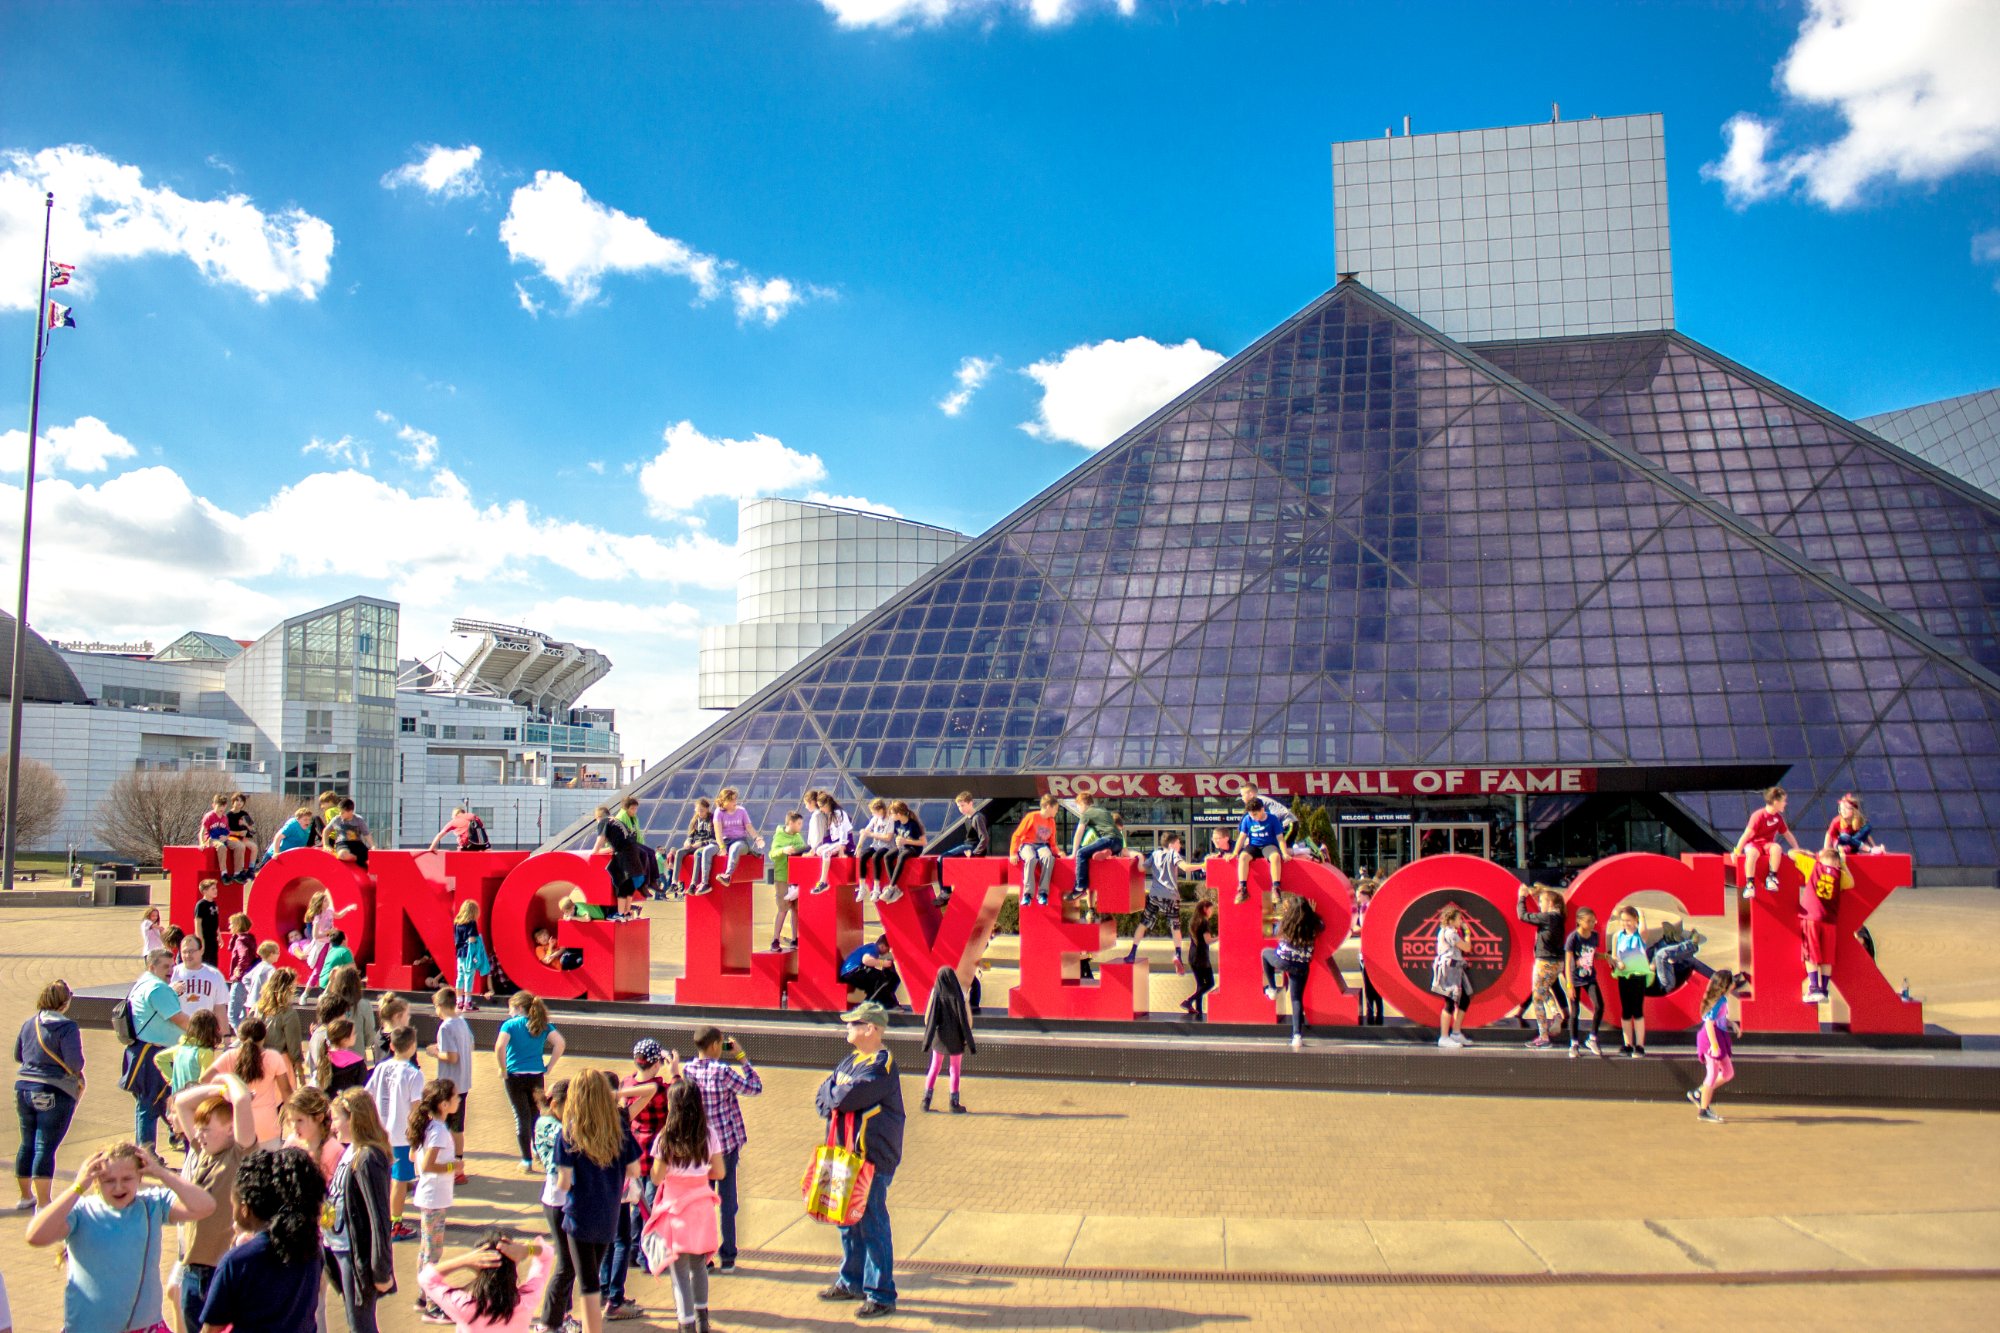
1464,839
1373,849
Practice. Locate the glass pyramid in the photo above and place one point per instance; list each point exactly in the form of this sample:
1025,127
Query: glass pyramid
1918,540
1356,543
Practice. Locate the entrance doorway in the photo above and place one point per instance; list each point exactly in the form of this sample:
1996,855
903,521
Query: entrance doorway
1464,839
1373,849
1144,838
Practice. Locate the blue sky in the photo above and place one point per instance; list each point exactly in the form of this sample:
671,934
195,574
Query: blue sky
837,213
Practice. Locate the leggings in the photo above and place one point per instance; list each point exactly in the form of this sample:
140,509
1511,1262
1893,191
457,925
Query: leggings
578,1263
898,857
1453,1002
1632,997
1204,982
1034,855
1371,1001
938,1059
690,1276
430,1236
523,1091
870,865
1295,985
1586,986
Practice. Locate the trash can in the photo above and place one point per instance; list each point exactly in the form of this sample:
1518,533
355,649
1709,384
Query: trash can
103,888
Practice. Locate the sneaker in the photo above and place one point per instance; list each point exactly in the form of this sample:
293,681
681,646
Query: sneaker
875,895
836,1292
1540,1044
871,1310
791,893
1638,1052
860,893
402,1231
1574,1050
1694,1095
1130,958
1749,889
821,888
622,1310
25,1206
1270,992
1591,1046
726,1266
1625,1048
698,890
1042,898
1709,1116
1771,883
890,894
1460,1039
529,1166
1297,1041
1446,1043
458,1179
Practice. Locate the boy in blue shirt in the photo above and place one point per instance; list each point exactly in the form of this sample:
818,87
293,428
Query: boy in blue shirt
1263,837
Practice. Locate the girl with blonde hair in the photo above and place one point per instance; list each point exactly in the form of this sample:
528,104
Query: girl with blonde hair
593,1158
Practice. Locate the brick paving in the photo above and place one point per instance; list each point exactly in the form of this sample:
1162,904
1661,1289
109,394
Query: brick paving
1151,1176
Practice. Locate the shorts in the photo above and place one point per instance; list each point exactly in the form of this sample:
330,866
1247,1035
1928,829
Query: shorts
455,1122
404,1167
1819,942
1160,913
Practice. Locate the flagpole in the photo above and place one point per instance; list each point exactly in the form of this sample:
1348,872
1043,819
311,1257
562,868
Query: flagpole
27,527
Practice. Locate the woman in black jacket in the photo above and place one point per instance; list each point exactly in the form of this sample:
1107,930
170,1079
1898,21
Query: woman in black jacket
359,1262
947,1034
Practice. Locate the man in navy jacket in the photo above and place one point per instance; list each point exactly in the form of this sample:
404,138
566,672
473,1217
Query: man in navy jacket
866,1087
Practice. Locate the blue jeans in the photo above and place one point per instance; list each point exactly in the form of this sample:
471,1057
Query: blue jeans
239,1001
194,1292
867,1252
1295,985
145,1121
618,1256
725,1197
45,1114
1088,850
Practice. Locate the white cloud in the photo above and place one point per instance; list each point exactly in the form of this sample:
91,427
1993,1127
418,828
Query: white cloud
1095,392
423,446
929,13
105,211
860,502
695,467
346,450
87,446
554,224
449,173
769,301
971,373
1916,81
581,617
1986,250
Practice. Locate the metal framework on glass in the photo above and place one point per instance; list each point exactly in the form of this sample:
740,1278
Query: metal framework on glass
1358,542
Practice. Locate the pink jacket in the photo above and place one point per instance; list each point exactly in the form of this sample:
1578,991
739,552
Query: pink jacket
458,1305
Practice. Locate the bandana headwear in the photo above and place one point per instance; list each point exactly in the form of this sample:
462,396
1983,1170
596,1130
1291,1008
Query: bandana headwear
646,1051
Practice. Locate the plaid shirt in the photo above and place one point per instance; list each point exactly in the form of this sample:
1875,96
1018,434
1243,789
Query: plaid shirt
721,1082
648,1119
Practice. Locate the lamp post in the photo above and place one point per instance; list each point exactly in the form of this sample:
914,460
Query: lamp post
27,529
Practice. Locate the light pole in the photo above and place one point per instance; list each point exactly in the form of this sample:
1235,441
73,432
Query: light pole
27,529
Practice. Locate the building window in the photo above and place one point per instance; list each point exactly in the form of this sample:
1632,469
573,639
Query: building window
430,730
409,725
132,696
507,734
239,752
319,724
450,732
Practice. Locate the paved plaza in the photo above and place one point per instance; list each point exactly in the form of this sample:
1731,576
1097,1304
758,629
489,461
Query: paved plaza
1103,1206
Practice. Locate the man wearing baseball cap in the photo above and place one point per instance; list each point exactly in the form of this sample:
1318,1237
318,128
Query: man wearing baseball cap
866,1086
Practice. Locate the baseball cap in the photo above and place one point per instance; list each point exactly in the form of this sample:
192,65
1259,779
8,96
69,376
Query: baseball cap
646,1051
868,1011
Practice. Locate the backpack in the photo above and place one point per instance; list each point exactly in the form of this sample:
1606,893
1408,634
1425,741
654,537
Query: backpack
475,839
121,1023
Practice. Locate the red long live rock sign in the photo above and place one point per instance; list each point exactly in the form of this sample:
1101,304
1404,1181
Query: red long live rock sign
406,900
